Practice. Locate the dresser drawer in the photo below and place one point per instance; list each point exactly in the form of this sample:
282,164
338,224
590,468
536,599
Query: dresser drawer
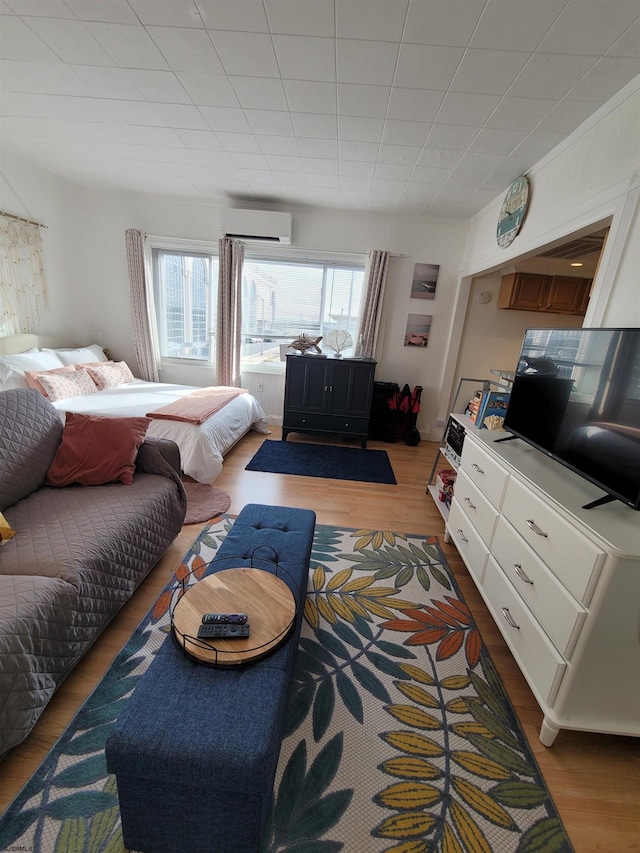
484,471
541,663
573,559
326,423
555,609
476,507
464,536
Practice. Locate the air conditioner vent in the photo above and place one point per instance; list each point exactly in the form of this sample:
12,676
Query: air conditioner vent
256,226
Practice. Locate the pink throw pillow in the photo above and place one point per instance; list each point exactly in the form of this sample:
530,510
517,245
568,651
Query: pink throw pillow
95,450
107,374
33,376
60,386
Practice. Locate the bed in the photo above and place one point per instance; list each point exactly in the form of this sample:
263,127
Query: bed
202,447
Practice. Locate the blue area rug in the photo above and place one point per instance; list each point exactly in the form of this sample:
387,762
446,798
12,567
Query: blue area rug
323,460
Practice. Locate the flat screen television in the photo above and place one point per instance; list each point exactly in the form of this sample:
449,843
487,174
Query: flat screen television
576,397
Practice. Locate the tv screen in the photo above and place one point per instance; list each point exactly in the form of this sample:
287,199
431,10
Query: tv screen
576,397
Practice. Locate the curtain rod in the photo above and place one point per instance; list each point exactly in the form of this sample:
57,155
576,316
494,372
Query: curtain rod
22,219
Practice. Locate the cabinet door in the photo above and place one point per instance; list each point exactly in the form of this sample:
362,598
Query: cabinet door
351,386
307,385
525,291
567,294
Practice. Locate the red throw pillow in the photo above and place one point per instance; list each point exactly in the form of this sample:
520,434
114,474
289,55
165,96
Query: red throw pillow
96,450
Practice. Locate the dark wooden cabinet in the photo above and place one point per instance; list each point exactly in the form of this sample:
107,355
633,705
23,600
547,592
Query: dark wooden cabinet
328,395
557,294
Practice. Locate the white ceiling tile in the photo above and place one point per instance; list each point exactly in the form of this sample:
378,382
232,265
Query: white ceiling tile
18,76
488,71
358,100
362,151
187,50
128,47
520,113
322,148
224,15
443,22
588,26
320,126
497,141
40,8
19,42
354,199
57,107
141,135
159,86
496,183
452,136
514,166
439,158
208,90
479,162
107,11
214,158
537,144
567,116
377,20
629,42
245,143
357,168
279,163
261,178
288,178
248,54
359,184
144,153
302,19
310,97
46,128
169,13
71,41
467,109
279,145
382,185
515,26
270,122
109,82
181,116
248,161
402,154
605,78
137,112
393,172
414,104
178,155
319,166
551,74
405,132
427,67
329,181
199,140
430,175
226,118
257,93
454,192
360,129
305,58
371,63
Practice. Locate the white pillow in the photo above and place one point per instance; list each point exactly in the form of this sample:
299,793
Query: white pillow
12,367
80,355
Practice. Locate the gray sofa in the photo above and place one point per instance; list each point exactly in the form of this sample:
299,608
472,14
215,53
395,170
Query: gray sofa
78,554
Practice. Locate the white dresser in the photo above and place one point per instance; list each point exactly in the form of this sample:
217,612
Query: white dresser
561,582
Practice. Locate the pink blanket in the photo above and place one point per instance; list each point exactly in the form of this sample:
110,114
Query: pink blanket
195,408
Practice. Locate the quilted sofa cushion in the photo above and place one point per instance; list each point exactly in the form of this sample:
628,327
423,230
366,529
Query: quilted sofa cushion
30,432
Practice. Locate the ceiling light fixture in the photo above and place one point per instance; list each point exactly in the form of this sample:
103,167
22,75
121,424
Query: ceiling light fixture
577,264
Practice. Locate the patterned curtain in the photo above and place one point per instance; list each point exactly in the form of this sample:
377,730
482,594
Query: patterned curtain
23,284
369,325
145,343
229,323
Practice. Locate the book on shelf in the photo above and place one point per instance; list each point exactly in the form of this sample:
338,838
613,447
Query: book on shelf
474,406
493,403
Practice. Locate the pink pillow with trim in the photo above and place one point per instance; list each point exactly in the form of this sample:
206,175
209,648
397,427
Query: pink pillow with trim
110,373
60,386
95,450
33,376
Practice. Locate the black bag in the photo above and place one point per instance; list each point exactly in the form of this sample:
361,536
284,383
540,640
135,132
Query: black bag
381,420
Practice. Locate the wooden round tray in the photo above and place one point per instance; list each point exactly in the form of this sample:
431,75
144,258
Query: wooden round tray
264,597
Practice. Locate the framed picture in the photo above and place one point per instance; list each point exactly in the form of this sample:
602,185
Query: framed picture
425,278
417,332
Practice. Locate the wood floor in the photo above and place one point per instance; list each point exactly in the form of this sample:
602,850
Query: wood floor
594,779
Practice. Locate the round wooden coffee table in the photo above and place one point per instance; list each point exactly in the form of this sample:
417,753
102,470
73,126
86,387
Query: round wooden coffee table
264,597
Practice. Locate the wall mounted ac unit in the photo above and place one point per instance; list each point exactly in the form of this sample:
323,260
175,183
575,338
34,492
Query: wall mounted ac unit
256,226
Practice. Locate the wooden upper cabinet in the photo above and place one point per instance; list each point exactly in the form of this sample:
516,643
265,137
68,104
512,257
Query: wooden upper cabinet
545,293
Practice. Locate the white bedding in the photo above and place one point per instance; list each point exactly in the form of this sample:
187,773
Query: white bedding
202,447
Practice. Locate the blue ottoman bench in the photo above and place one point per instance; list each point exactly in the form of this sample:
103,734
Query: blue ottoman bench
196,749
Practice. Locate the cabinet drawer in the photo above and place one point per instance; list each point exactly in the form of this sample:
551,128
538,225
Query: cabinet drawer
464,536
555,609
476,507
573,559
541,663
484,471
326,423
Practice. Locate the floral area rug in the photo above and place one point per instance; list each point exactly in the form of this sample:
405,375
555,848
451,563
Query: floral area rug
400,736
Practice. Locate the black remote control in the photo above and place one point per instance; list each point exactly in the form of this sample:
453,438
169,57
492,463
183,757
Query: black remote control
222,632
224,619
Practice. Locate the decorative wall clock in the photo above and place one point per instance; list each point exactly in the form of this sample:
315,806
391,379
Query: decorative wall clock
513,211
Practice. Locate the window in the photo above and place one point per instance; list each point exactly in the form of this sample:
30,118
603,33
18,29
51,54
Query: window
283,297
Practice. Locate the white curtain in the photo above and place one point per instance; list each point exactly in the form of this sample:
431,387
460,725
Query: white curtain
229,321
373,294
145,342
23,284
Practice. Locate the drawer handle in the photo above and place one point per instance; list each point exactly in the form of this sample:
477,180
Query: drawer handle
477,468
533,526
522,574
462,536
469,503
509,618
